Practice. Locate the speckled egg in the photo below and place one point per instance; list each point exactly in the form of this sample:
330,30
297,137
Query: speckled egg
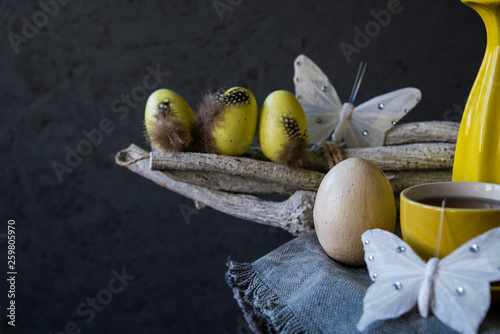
283,128
237,123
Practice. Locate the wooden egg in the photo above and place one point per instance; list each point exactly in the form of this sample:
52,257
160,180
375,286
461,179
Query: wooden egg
354,196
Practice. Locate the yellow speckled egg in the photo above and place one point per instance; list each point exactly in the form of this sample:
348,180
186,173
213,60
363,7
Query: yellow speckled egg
283,128
235,126
169,121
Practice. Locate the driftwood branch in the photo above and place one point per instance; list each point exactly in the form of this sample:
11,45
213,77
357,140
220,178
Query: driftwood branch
402,157
243,167
227,183
244,175
233,183
422,132
399,157
293,214
400,180
401,134
406,157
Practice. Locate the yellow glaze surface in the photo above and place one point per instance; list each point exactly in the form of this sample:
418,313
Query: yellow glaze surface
477,155
420,222
273,136
236,126
180,109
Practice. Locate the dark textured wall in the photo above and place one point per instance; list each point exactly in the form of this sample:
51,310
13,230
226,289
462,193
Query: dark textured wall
73,232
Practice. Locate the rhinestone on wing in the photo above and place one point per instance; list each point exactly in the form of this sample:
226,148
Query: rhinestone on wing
397,286
474,248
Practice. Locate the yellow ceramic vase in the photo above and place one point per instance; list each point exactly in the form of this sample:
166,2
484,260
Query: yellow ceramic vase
477,156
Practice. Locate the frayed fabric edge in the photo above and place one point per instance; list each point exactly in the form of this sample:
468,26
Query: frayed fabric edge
262,308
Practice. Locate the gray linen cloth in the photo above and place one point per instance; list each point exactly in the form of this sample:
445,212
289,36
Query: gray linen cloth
298,288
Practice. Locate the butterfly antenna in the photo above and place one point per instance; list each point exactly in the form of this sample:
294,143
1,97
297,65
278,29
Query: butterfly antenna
440,230
357,82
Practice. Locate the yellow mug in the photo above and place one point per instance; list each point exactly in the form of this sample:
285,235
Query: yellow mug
476,210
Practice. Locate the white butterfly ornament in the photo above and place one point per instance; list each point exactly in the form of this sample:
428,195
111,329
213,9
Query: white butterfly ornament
456,288
361,126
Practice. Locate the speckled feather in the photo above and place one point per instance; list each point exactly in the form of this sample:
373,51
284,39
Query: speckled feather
292,153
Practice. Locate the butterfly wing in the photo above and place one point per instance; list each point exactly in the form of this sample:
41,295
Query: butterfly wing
397,272
318,97
462,296
371,120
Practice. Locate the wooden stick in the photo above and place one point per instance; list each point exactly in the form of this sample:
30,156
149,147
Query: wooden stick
406,157
401,157
233,183
400,180
422,132
204,178
407,133
244,167
293,214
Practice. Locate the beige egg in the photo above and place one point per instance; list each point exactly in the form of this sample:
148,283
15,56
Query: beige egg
353,197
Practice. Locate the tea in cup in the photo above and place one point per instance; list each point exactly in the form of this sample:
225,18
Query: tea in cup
470,209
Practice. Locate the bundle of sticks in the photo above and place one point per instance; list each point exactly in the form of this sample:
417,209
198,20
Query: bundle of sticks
413,153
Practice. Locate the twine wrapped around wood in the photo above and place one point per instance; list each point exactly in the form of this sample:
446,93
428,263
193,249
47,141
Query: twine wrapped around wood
332,153
119,158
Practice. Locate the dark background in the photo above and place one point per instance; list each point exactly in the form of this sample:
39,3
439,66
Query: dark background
101,217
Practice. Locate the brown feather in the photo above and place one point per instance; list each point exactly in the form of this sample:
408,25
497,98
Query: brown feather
293,152
169,135
208,111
